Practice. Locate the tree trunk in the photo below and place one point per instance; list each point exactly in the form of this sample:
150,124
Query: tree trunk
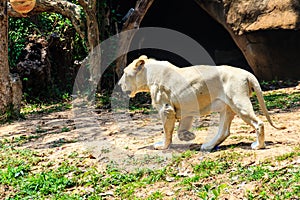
5,90
10,87
90,10
133,22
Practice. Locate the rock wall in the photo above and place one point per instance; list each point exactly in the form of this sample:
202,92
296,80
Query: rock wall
266,31
253,15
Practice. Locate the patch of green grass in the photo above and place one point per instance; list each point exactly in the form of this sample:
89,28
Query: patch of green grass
279,100
177,158
229,156
155,195
105,150
36,108
19,140
103,100
65,129
36,185
273,182
73,154
289,156
208,168
208,191
61,141
153,176
286,156
39,129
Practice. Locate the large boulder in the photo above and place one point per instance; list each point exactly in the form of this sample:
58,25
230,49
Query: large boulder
34,67
266,31
46,66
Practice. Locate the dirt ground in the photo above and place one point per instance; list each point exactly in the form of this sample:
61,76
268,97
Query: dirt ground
126,138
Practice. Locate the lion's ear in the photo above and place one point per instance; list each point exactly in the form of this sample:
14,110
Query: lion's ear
139,65
143,57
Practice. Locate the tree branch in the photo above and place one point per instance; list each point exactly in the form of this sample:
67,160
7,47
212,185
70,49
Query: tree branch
137,16
133,22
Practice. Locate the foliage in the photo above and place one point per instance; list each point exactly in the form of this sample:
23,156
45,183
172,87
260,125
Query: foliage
44,24
18,32
49,26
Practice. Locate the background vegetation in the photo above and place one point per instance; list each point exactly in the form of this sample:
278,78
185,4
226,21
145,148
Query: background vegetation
48,27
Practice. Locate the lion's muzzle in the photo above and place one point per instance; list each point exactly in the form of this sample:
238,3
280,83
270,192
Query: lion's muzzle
123,87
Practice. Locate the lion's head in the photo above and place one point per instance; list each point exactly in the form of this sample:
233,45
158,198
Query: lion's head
134,79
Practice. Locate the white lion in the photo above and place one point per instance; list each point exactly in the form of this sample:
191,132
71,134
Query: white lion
182,93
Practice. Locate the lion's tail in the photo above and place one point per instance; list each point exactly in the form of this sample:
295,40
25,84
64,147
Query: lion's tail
253,83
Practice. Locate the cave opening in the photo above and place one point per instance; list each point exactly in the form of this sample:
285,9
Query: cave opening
190,19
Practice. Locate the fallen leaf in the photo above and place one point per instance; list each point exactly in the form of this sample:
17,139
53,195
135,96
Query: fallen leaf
91,156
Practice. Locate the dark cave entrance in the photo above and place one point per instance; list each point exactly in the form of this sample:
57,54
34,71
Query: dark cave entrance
189,19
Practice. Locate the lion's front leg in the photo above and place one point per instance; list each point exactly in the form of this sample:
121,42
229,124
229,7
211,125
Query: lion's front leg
167,115
183,131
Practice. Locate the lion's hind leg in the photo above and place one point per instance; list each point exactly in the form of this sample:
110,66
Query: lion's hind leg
183,131
226,117
244,109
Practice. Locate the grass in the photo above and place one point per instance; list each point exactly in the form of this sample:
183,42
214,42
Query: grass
27,174
279,100
276,184
45,108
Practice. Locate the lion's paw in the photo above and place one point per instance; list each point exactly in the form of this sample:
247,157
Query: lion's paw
255,145
160,146
186,136
207,148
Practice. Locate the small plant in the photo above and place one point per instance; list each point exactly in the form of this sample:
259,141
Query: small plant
207,191
106,150
61,141
39,129
156,195
65,129
188,182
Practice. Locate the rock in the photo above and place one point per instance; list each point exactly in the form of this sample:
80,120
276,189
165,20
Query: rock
34,67
266,31
253,15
